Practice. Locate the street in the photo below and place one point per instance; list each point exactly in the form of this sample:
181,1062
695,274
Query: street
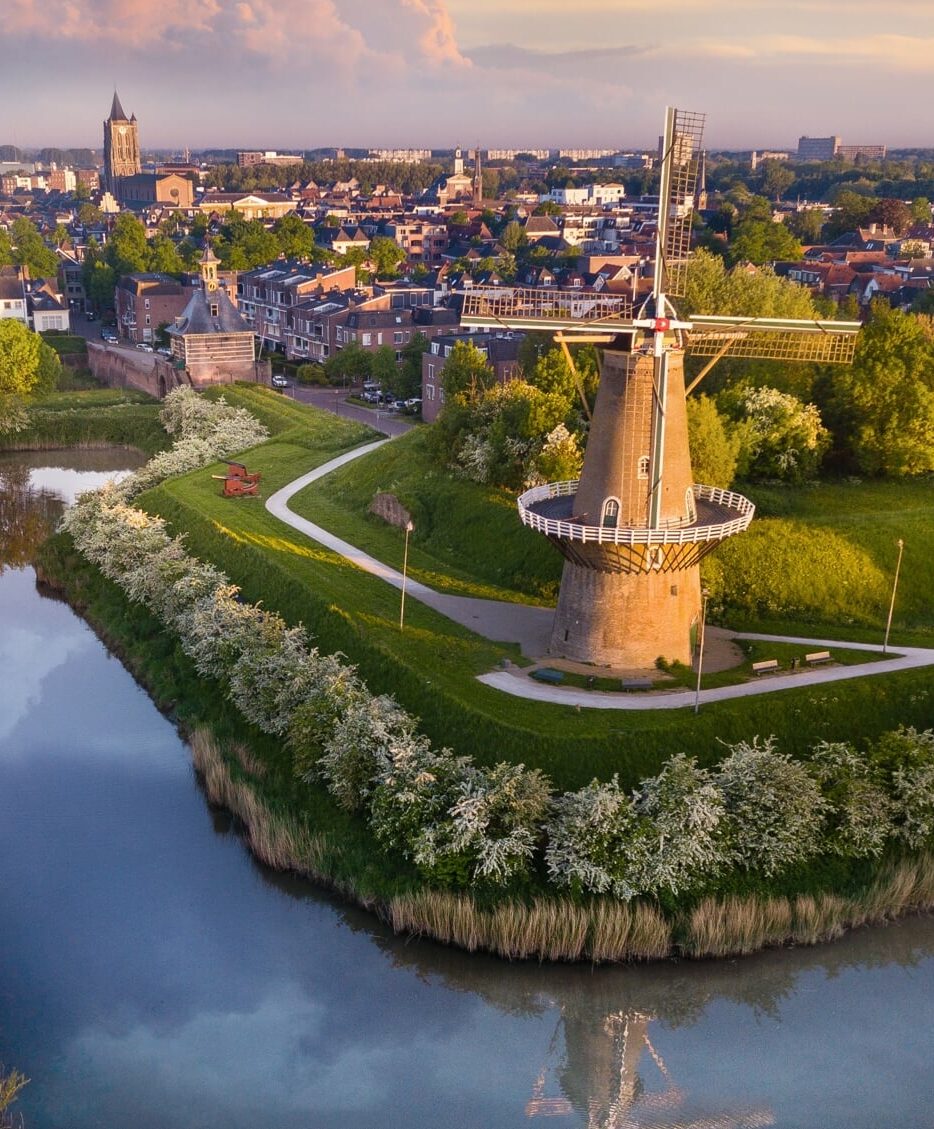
332,400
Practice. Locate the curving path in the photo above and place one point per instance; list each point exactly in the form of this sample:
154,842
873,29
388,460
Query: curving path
530,627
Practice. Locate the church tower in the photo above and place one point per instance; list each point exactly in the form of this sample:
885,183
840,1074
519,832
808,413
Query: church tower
121,146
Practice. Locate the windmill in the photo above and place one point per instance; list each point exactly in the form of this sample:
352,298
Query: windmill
635,526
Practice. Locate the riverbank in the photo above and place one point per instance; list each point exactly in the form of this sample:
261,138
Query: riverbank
250,775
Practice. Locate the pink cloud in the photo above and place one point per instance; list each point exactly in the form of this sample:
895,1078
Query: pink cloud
438,41
278,29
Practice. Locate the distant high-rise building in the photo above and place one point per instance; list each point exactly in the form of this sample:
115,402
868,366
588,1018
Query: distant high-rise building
121,146
869,152
817,148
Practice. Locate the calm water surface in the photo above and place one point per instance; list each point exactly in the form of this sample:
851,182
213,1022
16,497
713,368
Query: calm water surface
153,975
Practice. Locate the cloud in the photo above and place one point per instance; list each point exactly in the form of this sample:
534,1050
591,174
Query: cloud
337,32
509,56
438,41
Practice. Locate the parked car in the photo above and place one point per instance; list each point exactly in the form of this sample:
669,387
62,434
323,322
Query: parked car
371,386
398,405
279,381
370,397
144,346
166,352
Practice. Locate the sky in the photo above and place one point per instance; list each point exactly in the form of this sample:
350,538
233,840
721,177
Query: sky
299,74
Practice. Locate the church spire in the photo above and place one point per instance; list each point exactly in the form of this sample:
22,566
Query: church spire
116,110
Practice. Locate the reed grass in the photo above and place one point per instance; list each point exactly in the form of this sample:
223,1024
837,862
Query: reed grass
625,931
736,926
281,841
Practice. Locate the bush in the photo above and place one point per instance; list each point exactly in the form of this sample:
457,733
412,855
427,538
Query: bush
859,812
774,807
685,810
595,841
311,374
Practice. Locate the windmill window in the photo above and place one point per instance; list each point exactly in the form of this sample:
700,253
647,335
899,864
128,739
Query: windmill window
643,468
690,506
611,513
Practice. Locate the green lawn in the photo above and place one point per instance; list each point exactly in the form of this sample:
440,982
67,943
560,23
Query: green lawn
456,525
431,668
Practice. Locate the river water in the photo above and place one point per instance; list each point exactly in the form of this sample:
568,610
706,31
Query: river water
152,975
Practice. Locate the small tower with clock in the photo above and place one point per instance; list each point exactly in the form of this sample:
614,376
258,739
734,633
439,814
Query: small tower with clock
121,146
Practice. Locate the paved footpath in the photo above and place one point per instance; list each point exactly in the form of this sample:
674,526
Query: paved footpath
530,627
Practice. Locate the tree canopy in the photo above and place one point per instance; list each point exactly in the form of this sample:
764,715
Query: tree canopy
883,404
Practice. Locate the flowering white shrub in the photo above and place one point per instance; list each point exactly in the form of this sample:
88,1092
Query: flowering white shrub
784,438
359,748
272,676
685,843
914,804
859,813
774,807
597,841
496,820
410,802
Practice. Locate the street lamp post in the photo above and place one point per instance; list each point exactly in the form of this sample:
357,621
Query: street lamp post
405,568
888,622
705,594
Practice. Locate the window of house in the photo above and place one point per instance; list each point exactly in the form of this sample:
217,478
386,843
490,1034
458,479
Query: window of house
398,337
148,320
214,309
431,372
366,339
429,391
643,469
610,513
145,303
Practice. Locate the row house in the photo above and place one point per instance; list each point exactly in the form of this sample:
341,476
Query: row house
12,295
407,295
501,350
144,302
343,239
47,306
317,329
265,295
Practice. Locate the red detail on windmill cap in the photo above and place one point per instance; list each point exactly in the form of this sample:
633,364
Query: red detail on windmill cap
662,324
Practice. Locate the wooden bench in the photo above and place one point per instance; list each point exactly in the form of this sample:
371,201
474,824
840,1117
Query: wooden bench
817,657
637,684
765,666
548,674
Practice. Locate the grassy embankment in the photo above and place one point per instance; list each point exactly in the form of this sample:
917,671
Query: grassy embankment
431,667
101,417
292,825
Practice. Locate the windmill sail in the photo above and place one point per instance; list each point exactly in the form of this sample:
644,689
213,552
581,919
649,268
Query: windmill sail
781,339
684,132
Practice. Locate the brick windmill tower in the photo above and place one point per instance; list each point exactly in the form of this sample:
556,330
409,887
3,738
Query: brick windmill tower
634,527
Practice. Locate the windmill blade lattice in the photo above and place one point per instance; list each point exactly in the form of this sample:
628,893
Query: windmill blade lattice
826,342
684,133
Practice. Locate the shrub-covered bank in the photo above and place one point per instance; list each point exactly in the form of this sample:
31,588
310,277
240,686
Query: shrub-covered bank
686,831
296,828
